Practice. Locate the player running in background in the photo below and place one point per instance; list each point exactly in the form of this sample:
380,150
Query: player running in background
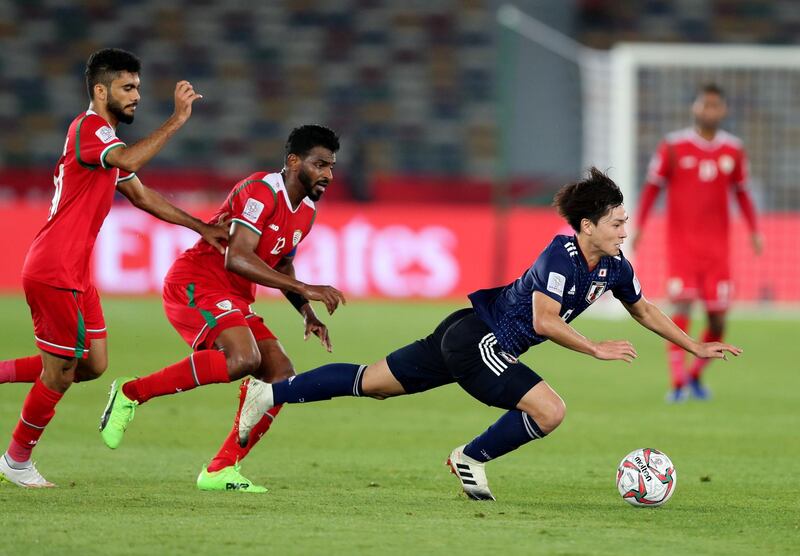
699,167
208,297
478,347
68,322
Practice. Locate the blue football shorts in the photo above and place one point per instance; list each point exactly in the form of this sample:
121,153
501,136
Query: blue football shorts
463,349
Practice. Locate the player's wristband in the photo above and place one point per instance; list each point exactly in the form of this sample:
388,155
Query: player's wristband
296,300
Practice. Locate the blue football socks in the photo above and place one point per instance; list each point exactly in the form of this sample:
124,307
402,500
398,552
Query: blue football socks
508,433
322,383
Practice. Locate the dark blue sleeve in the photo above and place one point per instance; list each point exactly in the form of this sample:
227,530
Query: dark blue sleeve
627,288
552,272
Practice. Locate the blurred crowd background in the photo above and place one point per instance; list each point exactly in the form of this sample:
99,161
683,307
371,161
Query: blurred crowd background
411,86
437,102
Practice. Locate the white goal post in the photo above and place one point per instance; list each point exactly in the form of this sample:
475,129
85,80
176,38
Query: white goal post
651,87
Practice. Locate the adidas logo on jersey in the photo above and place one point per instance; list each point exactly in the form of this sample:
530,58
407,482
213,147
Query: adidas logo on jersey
571,249
274,227
571,290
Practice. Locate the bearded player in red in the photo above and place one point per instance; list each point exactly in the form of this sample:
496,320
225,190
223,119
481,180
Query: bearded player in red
699,167
208,297
68,322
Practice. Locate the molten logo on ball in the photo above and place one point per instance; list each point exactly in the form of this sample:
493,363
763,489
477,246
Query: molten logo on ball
646,477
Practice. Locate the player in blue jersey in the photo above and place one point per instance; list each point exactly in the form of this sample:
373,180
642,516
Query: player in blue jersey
478,347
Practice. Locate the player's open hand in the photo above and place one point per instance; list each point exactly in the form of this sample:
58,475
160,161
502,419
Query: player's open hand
185,95
329,295
215,234
316,327
716,350
611,350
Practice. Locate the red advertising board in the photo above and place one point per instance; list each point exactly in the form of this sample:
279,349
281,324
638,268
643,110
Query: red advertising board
399,251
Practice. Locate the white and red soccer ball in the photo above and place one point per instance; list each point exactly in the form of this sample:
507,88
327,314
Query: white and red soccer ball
646,477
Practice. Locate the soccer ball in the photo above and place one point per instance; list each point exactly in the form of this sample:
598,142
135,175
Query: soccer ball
646,477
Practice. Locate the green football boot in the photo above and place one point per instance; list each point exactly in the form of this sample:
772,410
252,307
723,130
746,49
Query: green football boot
227,478
117,415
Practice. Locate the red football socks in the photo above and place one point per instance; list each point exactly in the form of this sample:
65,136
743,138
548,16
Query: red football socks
37,411
676,357
200,368
24,369
230,452
700,364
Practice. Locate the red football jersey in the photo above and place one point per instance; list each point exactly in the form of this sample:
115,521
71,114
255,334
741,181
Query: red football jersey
699,176
260,203
60,253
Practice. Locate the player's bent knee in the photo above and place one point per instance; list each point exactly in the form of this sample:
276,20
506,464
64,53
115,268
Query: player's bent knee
379,383
245,363
549,415
91,370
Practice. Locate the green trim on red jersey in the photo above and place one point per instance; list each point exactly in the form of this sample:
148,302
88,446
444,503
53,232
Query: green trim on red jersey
106,151
126,178
246,225
78,145
245,184
207,315
80,343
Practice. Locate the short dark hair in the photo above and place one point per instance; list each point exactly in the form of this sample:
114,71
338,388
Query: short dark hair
591,197
304,138
104,66
711,88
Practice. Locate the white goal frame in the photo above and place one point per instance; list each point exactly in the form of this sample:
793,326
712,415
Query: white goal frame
628,58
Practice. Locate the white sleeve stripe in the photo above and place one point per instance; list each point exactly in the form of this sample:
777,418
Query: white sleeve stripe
105,152
246,224
126,178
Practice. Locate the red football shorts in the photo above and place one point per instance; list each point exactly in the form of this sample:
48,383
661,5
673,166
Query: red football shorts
64,321
703,279
200,313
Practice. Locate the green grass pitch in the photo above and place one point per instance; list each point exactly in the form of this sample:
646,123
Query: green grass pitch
366,477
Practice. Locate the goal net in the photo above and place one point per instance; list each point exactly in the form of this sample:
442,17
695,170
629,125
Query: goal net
635,93
649,89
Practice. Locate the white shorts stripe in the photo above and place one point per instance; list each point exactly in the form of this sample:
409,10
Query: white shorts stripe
200,334
38,339
489,357
96,330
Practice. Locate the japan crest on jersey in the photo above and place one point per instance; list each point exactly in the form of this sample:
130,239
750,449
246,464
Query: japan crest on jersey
595,291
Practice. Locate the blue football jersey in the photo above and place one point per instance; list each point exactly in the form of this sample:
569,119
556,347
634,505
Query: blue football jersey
559,272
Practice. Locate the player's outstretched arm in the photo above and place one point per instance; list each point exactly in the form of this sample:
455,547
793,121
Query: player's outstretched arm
547,322
312,324
151,201
653,318
242,259
132,158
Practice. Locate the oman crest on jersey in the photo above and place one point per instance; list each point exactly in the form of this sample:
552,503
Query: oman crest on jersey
296,237
595,291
